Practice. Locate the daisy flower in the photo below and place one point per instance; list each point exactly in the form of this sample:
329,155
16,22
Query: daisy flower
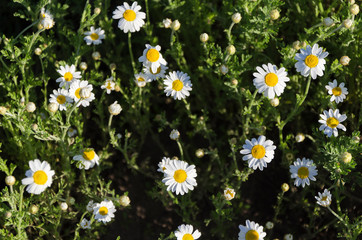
186,232
94,36
258,152
325,198
104,211
229,193
39,177
46,19
72,132
74,92
109,85
141,79
270,80
180,177
152,57
153,75
90,206
178,85
68,75
88,159
330,121
302,171
60,97
162,165
130,17
252,231
311,61
338,92
85,224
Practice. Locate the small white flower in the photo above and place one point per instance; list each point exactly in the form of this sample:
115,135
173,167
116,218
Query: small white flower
204,37
46,19
178,85
338,92
236,17
88,159
330,121
229,194
63,206
115,108
61,97
104,211
300,137
288,237
75,92
90,206
72,132
251,231
153,75
269,225
311,61
302,171
224,69
167,23
124,201
175,25
175,134
94,36
130,17
325,198
109,85
163,164
85,224
53,107
328,22
152,57
30,107
186,232
68,75
141,79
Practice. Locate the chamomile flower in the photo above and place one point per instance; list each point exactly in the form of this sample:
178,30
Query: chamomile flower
141,79
186,232
88,159
180,177
303,171
75,90
109,85
338,92
251,231
325,198
46,19
258,152
229,194
72,132
178,85
330,121
94,36
130,17
85,224
39,177
61,97
270,80
153,75
68,75
152,57
162,165
311,61
104,211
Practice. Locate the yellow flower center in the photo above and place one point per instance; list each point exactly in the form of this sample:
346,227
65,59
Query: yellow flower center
180,176
152,55
163,168
258,151
61,99
177,85
40,177
129,15
109,86
187,236
324,198
76,93
332,122
303,172
94,36
311,61
337,91
140,79
271,79
103,211
89,155
68,76
157,72
230,193
252,235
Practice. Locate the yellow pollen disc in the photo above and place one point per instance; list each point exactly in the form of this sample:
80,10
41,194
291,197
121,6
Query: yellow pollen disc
103,211
187,236
271,79
94,36
311,61
157,72
230,193
258,151
89,155
76,93
129,15
43,15
40,177
332,122
324,198
140,79
337,91
61,99
177,85
109,86
180,176
164,168
152,55
303,172
252,235
68,76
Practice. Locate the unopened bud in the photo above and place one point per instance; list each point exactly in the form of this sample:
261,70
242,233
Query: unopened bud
117,88
234,82
53,107
224,69
124,201
175,134
304,44
30,107
299,138
269,225
274,102
7,214
288,237
351,1
167,22
346,157
289,156
328,22
97,11
33,209
3,110
356,139
354,9
199,153
10,180
285,187
344,60
63,206
112,66
274,14
96,56
175,25
296,45
236,17
114,108
347,23
34,126
83,66
37,51
231,49
204,37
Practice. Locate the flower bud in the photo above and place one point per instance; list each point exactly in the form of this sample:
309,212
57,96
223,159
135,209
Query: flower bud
30,107
299,138
175,25
344,60
83,65
124,201
71,200
274,14
347,23
269,225
7,214
296,45
96,56
285,187
356,139
167,23
328,22
10,180
354,9
236,17
63,206
224,69
114,108
175,134
53,107
351,1
112,66
231,49
234,82
37,51
289,156
117,88
97,11
288,237
34,126
118,135
274,102
199,153
204,37
85,92
33,209
346,157
304,44
3,110
229,194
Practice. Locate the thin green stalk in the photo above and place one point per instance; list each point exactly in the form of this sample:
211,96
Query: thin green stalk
180,148
66,127
79,41
322,37
249,109
33,40
171,36
131,53
337,216
21,33
229,32
147,16
6,66
110,122
277,210
45,82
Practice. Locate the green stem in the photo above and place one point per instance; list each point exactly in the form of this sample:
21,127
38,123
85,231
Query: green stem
229,32
337,216
322,37
110,122
21,33
131,53
33,40
249,110
79,41
171,36
6,66
66,127
181,150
